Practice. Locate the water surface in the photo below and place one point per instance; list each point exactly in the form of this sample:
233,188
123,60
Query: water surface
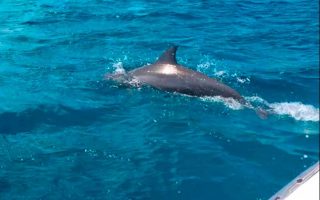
67,134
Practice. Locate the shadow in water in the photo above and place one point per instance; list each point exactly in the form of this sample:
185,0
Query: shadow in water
59,116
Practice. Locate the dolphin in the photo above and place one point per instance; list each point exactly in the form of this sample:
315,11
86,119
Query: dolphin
168,75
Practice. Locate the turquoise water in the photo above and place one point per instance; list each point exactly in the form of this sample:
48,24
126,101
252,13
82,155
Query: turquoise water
67,134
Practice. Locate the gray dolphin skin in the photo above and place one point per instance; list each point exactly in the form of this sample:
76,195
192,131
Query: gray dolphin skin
166,74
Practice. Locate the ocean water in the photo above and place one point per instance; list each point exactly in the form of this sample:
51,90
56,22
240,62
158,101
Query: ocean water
65,133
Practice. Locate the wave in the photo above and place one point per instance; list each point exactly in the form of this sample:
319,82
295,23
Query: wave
296,110
228,102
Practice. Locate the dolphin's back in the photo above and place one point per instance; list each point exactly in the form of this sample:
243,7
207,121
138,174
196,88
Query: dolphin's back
176,78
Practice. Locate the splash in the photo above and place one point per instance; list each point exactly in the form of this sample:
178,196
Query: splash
209,66
256,99
228,102
118,68
296,110
120,75
220,73
134,82
243,80
206,64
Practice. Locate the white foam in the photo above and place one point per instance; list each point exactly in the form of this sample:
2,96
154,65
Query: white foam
219,73
243,80
229,102
256,99
134,82
297,110
204,66
118,66
208,66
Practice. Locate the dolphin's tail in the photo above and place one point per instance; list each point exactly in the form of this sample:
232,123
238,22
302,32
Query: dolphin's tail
262,113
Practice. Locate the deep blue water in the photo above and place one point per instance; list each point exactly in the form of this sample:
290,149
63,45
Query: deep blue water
67,134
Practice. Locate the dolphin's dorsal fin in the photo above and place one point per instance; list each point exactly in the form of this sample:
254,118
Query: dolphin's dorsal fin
168,57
